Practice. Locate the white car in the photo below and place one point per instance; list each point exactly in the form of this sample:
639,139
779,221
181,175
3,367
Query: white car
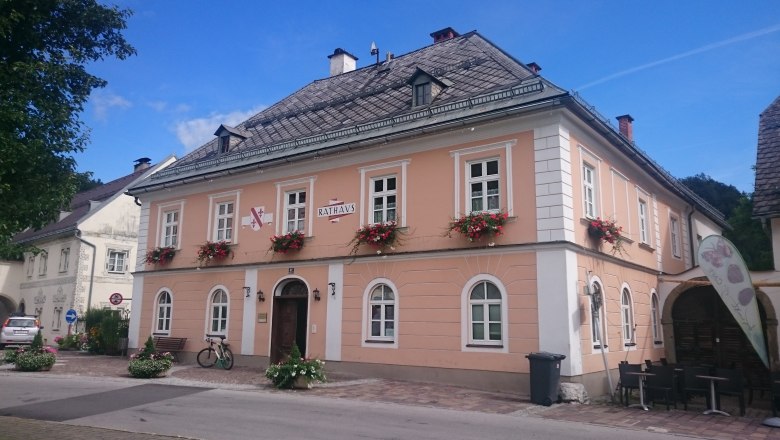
19,330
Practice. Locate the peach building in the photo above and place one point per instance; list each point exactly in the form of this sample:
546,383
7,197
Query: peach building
420,140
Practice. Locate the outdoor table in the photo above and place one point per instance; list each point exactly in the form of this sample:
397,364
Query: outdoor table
713,409
642,375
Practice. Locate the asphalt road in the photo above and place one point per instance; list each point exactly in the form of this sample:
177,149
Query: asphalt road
219,414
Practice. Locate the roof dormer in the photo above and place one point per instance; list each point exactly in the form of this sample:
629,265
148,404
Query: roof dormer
229,137
425,87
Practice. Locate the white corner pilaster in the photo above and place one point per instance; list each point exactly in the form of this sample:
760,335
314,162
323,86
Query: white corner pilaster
250,308
552,171
335,303
134,327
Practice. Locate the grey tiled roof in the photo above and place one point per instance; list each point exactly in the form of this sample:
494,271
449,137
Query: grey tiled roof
766,196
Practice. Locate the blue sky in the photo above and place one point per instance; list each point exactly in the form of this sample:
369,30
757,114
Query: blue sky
695,75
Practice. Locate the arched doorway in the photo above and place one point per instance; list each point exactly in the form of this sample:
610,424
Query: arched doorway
706,333
290,317
7,307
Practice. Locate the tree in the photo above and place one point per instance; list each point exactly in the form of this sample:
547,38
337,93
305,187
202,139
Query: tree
85,182
724,198
44,47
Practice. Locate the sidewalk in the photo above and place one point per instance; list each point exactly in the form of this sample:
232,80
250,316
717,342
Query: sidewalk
676,421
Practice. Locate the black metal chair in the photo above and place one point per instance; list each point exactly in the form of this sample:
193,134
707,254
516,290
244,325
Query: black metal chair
661,386
731,387
692,385
628,382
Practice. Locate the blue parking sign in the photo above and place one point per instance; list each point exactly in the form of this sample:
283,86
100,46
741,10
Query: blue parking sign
71,316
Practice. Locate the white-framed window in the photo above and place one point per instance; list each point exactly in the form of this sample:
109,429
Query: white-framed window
589,189
64,259
674,235
627,317
56,320
30,266
223,221
655,316
164,307
218,312
384,195
170,229
485,314
483,185
381,309
643,225
294,211
598,325
43,263
116,261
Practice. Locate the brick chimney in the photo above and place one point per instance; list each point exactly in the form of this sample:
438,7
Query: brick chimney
626,126
535,68
341,62
142,164
445,34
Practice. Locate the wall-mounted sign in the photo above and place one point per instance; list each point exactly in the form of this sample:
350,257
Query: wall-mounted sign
262,317
257,218
335,210
115,298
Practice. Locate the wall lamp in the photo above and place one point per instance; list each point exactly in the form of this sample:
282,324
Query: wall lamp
332,288
248,290
316,293
260,296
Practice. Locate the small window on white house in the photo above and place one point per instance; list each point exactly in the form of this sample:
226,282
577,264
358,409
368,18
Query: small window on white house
163,315
64,259
170,229
56,320
383,197
643,231
295,211
627,318
483,185
223,226
485,314
116,261
655,315
381,306
30,266
43,263
589,190
219,312
674,231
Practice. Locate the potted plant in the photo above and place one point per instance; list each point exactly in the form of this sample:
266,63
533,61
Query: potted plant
149,362
607,231
281,244
34,358
378,235
213,250
296,371
160,255
476,225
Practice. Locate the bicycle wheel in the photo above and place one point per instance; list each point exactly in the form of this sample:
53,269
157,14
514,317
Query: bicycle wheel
207,357
227,359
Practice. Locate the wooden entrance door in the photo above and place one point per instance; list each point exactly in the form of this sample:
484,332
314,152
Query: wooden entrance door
289,320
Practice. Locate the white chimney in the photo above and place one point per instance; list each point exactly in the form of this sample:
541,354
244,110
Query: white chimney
341,62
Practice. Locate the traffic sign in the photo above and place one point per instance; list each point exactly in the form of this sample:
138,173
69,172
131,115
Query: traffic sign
115,298
71,316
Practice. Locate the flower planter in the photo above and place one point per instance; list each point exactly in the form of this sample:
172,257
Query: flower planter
379,236
477,225
291,241
302,383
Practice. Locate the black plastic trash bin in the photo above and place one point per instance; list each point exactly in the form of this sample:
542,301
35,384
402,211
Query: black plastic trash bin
545,377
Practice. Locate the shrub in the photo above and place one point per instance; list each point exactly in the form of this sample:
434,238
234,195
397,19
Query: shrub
69,342
28,360
9,356
284,374
148,362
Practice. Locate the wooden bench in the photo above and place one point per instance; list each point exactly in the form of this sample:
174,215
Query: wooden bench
173,345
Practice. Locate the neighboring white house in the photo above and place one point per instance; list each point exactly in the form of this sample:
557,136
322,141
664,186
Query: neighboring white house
84,257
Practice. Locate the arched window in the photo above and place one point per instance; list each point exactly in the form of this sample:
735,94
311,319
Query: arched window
656,319
163,318
485,314
598,325
381,307
219,312
627,318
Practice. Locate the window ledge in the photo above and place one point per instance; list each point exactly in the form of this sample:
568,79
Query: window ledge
630,344
646,247
598,347
658,342
374,341
484,346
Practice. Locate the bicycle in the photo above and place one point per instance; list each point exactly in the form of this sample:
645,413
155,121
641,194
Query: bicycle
216,354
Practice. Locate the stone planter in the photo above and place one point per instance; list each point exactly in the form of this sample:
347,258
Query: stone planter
302,383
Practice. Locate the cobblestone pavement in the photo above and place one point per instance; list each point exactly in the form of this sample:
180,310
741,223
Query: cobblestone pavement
676,421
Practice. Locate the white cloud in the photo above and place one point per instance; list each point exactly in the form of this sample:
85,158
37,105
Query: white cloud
195,132
102,101
158,106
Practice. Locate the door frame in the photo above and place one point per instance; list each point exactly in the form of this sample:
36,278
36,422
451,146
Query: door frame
303,301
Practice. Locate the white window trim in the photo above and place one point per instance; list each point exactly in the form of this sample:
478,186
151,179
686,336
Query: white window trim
655,319
209,305
43,264
602,315
469,180
644,196
64,262
466,322
287,207
214,199
30,266
508,173
161,211
56,323
156,316
590,158
365,340
631,339
400,210
281,225
593,186
384,194
675,239
231,216
126,265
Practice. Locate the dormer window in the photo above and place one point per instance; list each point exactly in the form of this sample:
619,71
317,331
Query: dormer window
228,138
425,87
224,144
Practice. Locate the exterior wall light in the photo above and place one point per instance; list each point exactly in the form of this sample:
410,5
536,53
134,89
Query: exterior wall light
260,296
316,293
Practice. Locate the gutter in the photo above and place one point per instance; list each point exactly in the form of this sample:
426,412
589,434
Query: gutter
92,270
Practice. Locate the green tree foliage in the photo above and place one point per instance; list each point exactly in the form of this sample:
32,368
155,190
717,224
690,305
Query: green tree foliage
44,47
85,182
747,233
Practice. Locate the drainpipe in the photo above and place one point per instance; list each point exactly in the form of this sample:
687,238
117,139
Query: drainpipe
690,234
92,271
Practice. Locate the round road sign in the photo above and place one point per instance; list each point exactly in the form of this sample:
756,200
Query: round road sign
71,316
115,298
